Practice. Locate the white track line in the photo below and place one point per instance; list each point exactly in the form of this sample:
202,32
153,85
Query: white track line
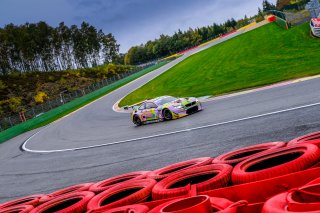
165,134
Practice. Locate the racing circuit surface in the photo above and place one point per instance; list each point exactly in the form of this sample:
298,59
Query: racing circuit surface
275,114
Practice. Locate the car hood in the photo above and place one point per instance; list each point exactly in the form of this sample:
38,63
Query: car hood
179,102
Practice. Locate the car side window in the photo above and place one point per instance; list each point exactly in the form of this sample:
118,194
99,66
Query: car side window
142,107
151,105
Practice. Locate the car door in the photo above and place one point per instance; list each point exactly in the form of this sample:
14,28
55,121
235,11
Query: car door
151,112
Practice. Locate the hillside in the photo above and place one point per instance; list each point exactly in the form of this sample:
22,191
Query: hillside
19,91
266,55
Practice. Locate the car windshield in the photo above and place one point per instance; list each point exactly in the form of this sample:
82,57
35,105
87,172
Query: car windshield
165,100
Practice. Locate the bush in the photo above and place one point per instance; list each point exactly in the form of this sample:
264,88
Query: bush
12,104
40,97
2,85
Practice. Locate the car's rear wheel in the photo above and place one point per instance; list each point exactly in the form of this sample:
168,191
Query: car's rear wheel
137,121
167,115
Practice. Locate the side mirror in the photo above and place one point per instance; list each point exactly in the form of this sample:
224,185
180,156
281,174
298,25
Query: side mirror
126,107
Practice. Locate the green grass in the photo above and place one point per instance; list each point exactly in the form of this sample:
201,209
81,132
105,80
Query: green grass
65,109
263,56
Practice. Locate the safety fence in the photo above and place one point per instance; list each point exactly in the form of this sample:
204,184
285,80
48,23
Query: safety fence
78,97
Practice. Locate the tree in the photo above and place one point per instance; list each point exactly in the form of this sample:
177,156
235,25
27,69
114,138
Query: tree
267,6
281,3
40,47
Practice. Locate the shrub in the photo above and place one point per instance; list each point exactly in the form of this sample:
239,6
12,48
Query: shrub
2,85
40,97
13,104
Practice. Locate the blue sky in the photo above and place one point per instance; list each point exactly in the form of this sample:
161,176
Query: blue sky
131,21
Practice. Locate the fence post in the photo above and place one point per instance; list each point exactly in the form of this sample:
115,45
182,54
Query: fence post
24,117
10,122
33,112
42,108
49,102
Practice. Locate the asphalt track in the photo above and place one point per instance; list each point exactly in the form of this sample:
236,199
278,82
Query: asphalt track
274,114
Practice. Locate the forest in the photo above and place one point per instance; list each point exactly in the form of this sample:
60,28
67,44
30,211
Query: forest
40,47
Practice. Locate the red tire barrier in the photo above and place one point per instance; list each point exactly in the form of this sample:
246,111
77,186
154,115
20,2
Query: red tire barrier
110,182
313,138
276,204
204,178
75,202
272,18
17,209
164,172
128,193
197,204
70,189
235,157
275,163
306,198
32,200
315,181
129,209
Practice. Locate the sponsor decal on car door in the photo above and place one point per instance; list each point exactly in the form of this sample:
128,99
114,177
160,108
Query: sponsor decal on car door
151,112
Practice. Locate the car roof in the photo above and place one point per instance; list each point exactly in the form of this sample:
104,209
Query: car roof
154,100
159,98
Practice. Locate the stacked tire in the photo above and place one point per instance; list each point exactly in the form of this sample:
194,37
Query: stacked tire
22,205
128,193
303,199
275,163
203,178
239,155
198,204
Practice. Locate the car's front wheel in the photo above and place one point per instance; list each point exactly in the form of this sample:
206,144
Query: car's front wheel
137,121
167,115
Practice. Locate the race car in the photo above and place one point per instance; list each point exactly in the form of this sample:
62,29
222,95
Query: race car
315,26
164,108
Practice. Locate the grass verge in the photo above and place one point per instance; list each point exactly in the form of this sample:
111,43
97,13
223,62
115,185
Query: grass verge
260,57
67,108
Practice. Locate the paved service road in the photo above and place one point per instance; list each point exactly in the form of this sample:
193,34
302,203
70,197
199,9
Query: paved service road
275,114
